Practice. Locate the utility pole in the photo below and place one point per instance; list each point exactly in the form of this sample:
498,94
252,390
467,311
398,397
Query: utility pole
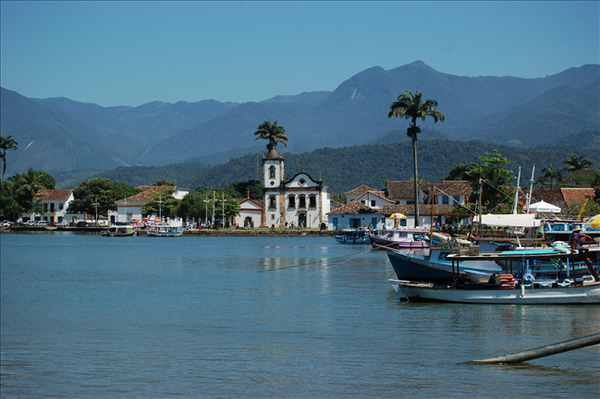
223,210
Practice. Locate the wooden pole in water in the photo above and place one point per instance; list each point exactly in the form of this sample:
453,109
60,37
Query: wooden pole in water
542,351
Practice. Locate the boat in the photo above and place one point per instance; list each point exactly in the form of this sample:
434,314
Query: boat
432,265
556,294
560,230
399,238
120,231
355,236
503,288
160,230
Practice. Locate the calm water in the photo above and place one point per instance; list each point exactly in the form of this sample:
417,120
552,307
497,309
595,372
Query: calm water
92,316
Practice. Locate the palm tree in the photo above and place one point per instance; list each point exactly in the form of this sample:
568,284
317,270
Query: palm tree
6,143
272,132
577,162
411,107
551,173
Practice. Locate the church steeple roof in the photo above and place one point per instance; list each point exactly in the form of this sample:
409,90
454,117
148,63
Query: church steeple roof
272,154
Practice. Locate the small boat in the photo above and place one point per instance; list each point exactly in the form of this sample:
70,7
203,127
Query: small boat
160,230
399,238
503,288
354,236
432,265
560,292
120,231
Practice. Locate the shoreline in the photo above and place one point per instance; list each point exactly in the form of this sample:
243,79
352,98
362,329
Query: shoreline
194,232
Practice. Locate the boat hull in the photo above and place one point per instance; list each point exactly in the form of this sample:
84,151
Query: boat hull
413,267
581,294
379,242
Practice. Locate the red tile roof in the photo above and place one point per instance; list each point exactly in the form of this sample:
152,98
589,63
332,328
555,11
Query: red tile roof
577,195
53,195
147,195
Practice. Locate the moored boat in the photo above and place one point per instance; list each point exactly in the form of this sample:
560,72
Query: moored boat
354,236
120,231
399,238
160,230
503,288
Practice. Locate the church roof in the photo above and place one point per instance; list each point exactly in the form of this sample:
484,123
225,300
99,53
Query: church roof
273,154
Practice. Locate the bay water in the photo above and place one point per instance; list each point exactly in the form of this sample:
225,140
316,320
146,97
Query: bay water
86,316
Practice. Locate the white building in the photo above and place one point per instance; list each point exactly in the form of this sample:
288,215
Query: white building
130,208
250,214
301,201
54,208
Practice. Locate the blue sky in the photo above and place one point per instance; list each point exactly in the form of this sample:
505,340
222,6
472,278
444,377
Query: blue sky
130,53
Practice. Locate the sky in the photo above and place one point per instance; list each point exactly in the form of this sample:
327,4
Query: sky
133,52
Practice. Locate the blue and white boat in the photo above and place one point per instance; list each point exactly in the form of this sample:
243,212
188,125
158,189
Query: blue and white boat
354,236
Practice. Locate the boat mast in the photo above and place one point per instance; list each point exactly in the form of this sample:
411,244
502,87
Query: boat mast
530,188
517,192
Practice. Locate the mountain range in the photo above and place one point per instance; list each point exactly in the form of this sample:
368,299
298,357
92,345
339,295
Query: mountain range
60,135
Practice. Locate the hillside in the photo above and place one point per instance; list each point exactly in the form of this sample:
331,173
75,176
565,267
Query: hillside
61,135
343,169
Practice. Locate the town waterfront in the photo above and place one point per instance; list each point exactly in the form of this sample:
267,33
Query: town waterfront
89,316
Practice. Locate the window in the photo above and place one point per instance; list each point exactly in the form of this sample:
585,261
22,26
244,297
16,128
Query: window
456,199
292,202
61,206
52,207
45,207
312,201
302,201
272,172
445,200
272,202
373,203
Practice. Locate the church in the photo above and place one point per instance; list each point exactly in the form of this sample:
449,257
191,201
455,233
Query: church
298,202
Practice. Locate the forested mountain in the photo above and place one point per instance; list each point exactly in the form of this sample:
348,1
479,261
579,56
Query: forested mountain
61,135
343,169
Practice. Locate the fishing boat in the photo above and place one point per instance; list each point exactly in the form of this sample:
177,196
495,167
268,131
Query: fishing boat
120,231
160,230
354,236
399,238
432,265
503,288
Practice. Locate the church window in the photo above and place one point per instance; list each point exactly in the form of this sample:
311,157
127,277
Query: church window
302,201
272,202
272,172
292,202
312,201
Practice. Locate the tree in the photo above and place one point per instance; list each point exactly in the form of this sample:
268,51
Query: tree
6,143
9,207
25,186
164,206
577,162
101,193
552,174
272,132
253,188
411,107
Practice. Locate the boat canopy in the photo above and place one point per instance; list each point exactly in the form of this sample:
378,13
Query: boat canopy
544,207
511,220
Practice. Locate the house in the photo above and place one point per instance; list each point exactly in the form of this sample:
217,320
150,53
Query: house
374,199
356,214
300,201
55,204
130,208
449,192
250,213
402,192
359,192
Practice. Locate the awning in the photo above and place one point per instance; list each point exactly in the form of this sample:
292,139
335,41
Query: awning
522,220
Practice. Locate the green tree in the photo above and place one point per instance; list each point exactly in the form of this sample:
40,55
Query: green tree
552,174
577,162
251,188
272,132
25,186
193,207
6,143
164,206
411,107
101,193
9,207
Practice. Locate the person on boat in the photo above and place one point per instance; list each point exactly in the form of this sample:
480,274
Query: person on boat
576,240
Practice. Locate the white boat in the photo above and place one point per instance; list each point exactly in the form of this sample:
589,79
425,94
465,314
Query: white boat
504,289
354,236
120,231
399,238
552,295
160,230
